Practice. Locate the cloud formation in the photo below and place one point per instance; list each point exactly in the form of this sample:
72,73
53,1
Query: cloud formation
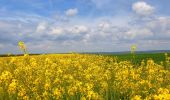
41,27
142,8
93,36
59,32
71,12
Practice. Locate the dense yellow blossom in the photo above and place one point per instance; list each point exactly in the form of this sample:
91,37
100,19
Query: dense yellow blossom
82,77
13,86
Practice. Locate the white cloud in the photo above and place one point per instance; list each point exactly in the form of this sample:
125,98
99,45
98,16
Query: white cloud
57,31
138,33
104,25
71,12
160,26
105,28
71,30
101,33
78,29
142,8
41,27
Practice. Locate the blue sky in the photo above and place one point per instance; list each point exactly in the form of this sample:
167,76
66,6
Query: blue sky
48,26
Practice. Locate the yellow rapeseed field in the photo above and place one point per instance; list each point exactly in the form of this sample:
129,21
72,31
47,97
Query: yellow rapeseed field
82,77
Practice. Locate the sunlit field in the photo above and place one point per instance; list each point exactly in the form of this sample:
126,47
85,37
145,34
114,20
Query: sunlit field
82,77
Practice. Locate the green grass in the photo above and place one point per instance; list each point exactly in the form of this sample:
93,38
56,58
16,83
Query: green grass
157,57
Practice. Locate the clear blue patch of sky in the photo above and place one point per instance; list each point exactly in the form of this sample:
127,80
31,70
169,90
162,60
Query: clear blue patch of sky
85,7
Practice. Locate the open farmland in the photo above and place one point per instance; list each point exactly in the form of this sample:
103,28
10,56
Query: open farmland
82,77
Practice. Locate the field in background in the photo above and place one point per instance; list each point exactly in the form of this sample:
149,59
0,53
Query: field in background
157,57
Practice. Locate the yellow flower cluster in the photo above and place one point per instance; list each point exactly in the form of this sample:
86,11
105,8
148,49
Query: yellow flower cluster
22,46
82,77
